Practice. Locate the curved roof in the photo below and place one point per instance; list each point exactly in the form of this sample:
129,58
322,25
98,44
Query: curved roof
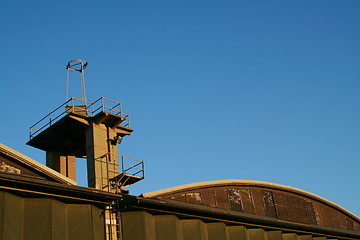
263,199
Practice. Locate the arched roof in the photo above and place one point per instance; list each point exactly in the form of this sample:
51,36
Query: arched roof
263,199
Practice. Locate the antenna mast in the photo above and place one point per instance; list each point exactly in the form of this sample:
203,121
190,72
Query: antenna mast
78,66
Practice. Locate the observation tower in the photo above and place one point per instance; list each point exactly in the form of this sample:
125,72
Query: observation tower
80,128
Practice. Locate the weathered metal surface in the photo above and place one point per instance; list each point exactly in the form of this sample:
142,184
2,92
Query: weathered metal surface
13,162
139,225
47,218
269,200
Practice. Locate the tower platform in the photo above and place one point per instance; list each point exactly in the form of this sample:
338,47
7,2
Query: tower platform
63,130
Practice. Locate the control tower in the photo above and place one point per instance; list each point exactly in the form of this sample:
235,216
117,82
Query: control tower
80,128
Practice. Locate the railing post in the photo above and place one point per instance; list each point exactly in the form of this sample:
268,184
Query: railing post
122,163
142,168
72,105
103,104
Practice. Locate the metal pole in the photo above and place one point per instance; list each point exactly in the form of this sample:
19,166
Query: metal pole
82,78
67,84
122,167
103,104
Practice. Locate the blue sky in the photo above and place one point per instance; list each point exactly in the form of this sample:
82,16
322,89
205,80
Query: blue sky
258,90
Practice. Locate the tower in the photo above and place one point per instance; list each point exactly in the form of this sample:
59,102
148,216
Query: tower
80,128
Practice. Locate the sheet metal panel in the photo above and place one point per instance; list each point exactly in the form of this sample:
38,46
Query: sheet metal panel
138,225
194,230
247,201
59,230
274,235
259,207
12,217
37,219
98,223
237,233
221,197
79,222
48,219
168,227
280,206
217,231
208,198
257,234
234,196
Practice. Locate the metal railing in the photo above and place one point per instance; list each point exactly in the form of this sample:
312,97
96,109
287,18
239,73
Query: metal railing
83,107
132,166
125,165
112,169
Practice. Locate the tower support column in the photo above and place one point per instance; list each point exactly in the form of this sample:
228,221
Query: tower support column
102,155
66,165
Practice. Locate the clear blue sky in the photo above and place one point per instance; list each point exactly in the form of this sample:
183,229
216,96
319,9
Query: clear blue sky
258,90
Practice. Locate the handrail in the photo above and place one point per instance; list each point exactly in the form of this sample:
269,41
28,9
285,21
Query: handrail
131,164
90,109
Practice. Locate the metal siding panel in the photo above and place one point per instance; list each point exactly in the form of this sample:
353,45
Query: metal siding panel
318,214
304,237
289,236
59,229
310,212
79,222
37,221
334,218
13,217
357,227
257,234
349,224
238,233
138,225
2,198
181,197
168,227
270,210
208,198
327,217
98,223
301,210
259,205
221,198
234,196
247,201
193,197
280,206
217,231
291,208
274,235
342,221
194,230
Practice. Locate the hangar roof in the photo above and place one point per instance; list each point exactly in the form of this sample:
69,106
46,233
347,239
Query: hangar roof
263,199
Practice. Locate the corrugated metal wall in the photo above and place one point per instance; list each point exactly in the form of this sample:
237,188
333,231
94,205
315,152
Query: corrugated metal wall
48,219
140,225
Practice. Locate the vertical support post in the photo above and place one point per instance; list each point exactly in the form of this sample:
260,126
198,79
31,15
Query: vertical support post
66,165
122,164
98,144
102,104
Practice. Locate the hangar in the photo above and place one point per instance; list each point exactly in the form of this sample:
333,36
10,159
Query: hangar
45,202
